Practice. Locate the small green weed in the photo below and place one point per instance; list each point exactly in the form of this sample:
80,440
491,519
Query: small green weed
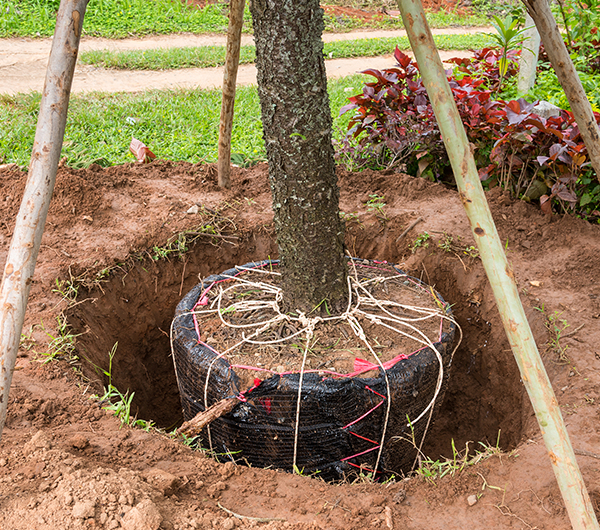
376,204
61,345
447,244
556,327
432,470
67,289
422,241
117,402
351,217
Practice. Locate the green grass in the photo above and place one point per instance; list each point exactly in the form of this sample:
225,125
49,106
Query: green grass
176,125
124,18
441,19
115,18
209,56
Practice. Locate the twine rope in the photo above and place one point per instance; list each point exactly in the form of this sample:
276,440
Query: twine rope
359,295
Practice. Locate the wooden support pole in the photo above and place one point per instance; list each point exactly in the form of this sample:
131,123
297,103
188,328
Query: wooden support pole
29,227
232,60
539,11
529,57
498,270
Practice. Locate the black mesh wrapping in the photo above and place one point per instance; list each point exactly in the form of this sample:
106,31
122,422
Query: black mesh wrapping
261,430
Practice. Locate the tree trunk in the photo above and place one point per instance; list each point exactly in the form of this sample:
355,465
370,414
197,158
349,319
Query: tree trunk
539,11
292,86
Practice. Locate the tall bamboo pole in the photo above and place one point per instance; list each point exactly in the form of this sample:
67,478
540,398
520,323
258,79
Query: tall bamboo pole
540,12
29,227
232,60
498,270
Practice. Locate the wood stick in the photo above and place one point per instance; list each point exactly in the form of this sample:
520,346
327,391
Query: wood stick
45,155
493,257
232,60
203,418
410,227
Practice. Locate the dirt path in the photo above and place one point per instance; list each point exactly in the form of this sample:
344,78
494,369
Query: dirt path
23,63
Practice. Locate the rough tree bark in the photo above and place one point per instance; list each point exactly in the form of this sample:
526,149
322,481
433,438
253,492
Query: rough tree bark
292,87
539,11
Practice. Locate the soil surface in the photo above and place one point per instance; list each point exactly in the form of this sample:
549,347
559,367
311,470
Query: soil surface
23,62
65,462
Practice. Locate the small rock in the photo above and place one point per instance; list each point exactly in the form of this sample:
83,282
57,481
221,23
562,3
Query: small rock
389,520
400,496
79,442
165,482
472,500
84,510
3,462
227,469
38,441
228,524
194,209
546,109
378,500
216,488
144,516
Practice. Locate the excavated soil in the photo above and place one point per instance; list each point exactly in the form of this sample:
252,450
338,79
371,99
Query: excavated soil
67,463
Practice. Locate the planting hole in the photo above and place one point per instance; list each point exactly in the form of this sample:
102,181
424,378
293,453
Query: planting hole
135,310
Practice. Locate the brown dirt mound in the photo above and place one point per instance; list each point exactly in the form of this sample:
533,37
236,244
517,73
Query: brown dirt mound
67,463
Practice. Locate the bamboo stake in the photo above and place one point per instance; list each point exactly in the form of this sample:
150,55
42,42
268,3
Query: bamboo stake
529,56
29,227
232,60
498,270
539,11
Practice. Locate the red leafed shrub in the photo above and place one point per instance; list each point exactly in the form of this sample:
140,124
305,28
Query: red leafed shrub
393,125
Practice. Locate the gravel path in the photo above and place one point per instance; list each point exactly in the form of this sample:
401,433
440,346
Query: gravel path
23,62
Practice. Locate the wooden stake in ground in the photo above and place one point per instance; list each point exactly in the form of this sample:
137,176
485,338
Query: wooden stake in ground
498,270
539,11
29,227
232,60
529,57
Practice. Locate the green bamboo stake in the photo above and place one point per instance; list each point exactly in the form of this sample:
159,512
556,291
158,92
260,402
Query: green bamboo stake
498,270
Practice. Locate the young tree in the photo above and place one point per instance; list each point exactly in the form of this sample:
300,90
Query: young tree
292,86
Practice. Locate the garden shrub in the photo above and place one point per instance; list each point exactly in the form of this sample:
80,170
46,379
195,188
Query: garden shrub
393,125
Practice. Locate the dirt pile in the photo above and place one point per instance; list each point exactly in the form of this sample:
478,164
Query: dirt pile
114,234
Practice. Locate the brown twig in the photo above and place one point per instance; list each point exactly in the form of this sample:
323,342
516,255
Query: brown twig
410,227
219,236
203,418
583,452
182,277
571,333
